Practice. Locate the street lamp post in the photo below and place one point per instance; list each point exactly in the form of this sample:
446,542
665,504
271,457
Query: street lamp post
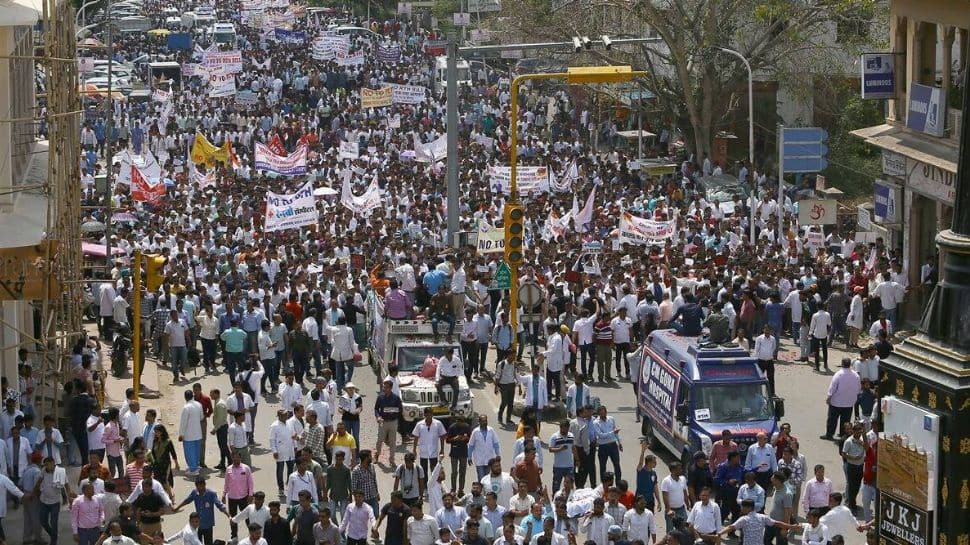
574,76
451,77
747,65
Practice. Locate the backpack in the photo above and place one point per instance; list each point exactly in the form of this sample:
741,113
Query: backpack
246,387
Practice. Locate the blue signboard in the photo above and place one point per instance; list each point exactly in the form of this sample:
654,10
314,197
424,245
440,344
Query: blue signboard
180,41
878,75
884,203
926,109
803,150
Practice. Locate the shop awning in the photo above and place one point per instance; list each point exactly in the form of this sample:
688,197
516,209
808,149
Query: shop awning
934,151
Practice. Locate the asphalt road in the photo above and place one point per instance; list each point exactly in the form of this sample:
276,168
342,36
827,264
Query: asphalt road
803,389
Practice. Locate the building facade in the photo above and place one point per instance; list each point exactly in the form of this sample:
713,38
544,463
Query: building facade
919,140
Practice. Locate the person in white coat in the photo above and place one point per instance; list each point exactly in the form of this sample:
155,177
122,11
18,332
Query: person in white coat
283,447
555,355
533,387
343,350
855,320
18,451
190,432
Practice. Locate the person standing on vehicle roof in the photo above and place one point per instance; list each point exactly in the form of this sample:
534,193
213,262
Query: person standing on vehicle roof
450,367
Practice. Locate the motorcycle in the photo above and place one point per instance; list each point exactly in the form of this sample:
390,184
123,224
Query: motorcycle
121,350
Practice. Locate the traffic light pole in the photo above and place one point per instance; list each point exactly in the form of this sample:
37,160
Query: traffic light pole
579,75
514,192
136,324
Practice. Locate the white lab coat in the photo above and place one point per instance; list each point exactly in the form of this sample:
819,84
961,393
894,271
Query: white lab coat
855,317
23,457
281,441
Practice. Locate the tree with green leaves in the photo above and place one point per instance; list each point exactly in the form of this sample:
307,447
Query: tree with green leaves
697,85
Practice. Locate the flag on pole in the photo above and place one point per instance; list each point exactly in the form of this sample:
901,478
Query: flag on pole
583,217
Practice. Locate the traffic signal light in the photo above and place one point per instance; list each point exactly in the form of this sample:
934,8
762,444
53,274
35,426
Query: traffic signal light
154,277
514,217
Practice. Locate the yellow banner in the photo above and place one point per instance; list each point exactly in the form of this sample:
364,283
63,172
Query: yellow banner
204,151
376,98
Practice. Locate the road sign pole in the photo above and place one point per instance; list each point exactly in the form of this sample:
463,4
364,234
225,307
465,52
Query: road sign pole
781,181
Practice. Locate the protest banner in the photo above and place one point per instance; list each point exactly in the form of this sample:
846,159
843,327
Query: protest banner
435,47
289,36
389,53
350,59
491,240
246,98
634,230
143,191
376,98
432,151
408,94
221,84
363,204
486,142
326,47
530,179
229,62
161,95
149,166
290,211
290,165
349,150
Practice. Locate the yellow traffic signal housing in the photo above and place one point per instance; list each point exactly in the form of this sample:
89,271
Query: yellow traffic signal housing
514,219
154,275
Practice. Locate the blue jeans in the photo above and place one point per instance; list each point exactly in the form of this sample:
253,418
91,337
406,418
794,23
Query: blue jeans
344,373
443,317
869,493
272,373
353,428
891,315
180,359
338,507
557,474
49,514
679,512
88,536
234,363
481,471
192,449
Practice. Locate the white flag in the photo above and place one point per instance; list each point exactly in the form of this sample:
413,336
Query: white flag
585,216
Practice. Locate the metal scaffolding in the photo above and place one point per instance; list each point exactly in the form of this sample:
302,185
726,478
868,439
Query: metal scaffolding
60,316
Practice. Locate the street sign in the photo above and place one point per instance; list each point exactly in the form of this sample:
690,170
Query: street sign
462,19
530,295
803,149
503,277
817,211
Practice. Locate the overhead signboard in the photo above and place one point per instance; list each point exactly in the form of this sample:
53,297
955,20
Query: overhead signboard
886,202
878,75
893,164
803,149
931,181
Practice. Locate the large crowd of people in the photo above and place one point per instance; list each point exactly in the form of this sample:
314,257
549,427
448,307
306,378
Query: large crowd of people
286,314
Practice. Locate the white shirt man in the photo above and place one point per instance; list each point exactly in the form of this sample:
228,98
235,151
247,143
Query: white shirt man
291,394
621,326
640,526
483,445
556,353
535,390
190,422
422,531
281,442
428,436
449,367
705,517
764,347
820,325
119,308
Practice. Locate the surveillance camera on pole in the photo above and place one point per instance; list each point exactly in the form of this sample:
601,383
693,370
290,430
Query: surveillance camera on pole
577,44
607,42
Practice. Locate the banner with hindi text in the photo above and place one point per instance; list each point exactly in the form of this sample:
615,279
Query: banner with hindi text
290,211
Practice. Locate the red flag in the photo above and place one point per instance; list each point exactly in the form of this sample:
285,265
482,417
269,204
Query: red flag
276,146
142,191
